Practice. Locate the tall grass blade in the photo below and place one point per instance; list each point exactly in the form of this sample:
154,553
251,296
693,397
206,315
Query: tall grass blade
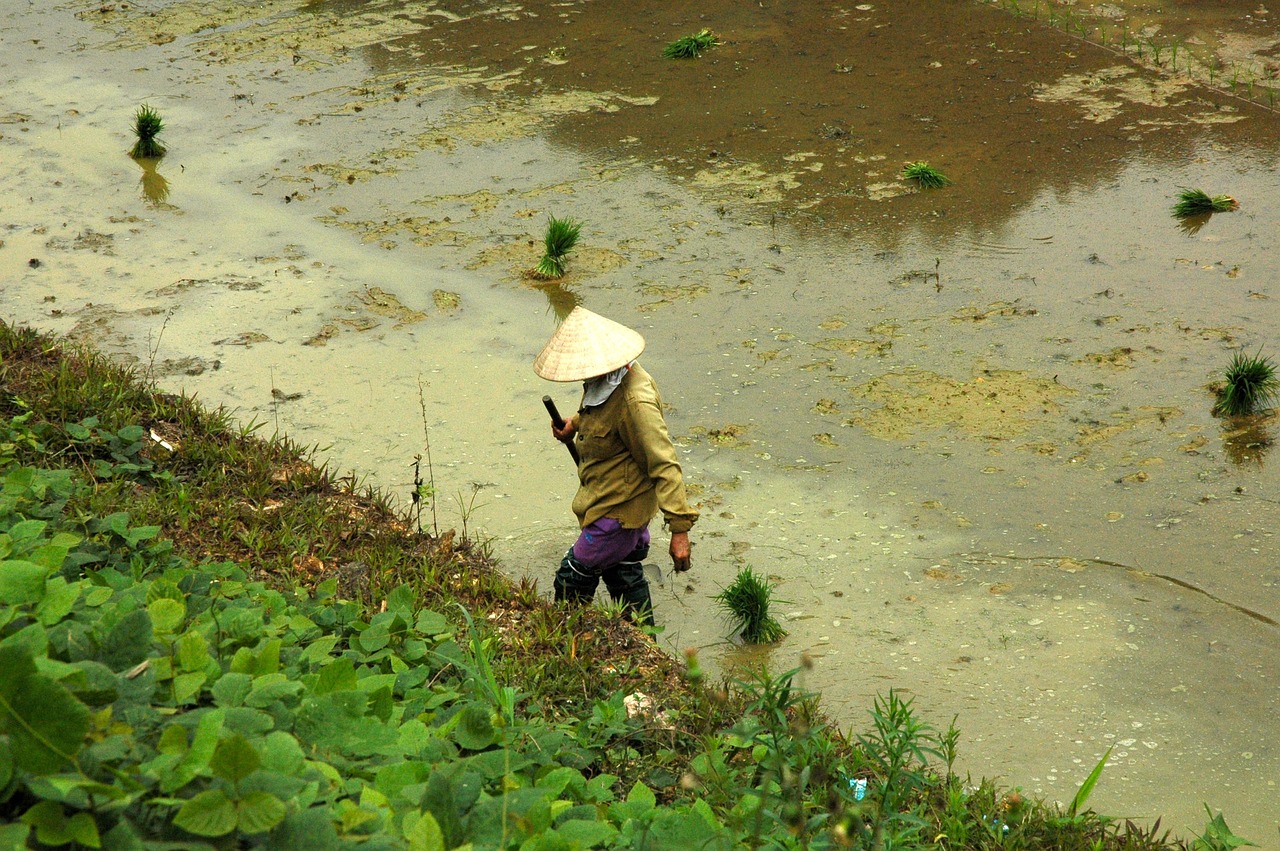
1086,788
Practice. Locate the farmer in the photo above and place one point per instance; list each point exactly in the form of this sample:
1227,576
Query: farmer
628,469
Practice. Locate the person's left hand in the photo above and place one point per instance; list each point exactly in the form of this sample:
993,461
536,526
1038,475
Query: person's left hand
680,551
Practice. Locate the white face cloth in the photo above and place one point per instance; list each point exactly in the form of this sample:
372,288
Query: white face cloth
596,390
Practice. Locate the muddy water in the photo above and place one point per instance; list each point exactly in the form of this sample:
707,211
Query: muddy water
966,431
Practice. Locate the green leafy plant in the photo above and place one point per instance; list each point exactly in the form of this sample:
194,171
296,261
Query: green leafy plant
1217,836
746,601
561,237
925,175
147,125
691,46
1249,384
1197,202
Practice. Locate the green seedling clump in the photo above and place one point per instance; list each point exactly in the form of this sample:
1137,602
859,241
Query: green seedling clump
746,601
925,175
691,46
1197,202
561,237
147,125
1250,384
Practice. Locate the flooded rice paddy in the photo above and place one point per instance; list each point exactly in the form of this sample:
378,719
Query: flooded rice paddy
966,431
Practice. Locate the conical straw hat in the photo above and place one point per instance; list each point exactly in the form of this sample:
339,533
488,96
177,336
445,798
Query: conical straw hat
587,345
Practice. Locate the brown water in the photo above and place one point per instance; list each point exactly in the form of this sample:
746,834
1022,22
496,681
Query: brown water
967,431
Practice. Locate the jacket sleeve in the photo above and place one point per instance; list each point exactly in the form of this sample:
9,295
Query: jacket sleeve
645,432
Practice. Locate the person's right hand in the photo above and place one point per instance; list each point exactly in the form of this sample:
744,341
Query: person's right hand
565,435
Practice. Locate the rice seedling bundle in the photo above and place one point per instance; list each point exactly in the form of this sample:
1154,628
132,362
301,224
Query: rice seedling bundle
691,46
925,175
1197,202
561,237
147,125
1251,384
746,601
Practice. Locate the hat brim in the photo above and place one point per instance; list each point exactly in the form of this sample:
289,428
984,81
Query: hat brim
587,345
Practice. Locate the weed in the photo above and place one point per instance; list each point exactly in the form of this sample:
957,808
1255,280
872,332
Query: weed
1217,836
1196,202
691,46
424,491
1250,383
147,125
746,601
561,237
925,175
1075,809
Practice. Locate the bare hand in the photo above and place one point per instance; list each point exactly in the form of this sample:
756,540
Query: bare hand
680,551
565,435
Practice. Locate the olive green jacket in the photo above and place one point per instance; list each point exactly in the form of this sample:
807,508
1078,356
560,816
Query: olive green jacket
629,468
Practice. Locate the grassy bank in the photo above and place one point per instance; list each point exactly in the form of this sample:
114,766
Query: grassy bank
210,640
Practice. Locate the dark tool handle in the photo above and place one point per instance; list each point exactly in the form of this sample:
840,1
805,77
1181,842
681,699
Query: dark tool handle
558,422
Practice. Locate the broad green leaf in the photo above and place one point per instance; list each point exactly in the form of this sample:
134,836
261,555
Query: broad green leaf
282,753
96,685
232,689
640,801
167,615
268,659
187,686
14,835
46,725
374,638
82,828
318,651
475,731
402,600
173,740
123,837
192,652
258,812
686,829
32,639
164,589
50,823
210,813
196,759
432,623
394,777
423,833
128,642
234,759
338,675
269,688
97,597
353,816
21,582
59,598
25,533
582,833
52,554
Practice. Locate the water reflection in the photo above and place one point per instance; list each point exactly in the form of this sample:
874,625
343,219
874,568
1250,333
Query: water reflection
561,299
1246,440
1191,225
155,186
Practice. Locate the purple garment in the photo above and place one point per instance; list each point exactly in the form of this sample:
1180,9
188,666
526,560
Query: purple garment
604,543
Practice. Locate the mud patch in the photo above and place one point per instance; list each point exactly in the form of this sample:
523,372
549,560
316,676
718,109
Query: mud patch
995,404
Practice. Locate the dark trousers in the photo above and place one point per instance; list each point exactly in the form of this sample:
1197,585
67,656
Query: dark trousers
625,581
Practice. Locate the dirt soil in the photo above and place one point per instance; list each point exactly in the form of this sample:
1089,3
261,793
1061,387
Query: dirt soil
967,431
